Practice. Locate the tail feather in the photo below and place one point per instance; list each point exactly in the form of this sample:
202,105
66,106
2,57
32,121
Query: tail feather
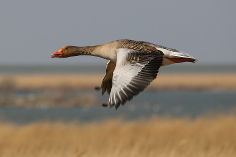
172,56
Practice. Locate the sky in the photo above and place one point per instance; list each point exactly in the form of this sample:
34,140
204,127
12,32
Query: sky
31,30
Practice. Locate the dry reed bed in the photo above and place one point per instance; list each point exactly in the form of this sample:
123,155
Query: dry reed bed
162,137
164,81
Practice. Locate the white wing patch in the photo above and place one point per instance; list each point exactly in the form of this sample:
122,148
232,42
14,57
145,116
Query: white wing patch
133,73
172,53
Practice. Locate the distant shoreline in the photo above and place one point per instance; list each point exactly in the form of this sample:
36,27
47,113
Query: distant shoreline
89,81
100,69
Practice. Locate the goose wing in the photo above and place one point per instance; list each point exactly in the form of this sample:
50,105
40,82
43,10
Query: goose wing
107,80
133,73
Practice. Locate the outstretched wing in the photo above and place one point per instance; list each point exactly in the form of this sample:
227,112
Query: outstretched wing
133,73
107,80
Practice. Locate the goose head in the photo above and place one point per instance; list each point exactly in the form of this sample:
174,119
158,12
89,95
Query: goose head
66,51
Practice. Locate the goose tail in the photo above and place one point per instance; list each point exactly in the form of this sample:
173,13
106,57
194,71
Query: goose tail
172,56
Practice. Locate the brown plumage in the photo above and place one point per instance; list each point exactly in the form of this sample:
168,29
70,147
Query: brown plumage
141,46
107,80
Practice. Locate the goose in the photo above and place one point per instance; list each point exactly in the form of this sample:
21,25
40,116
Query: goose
132,65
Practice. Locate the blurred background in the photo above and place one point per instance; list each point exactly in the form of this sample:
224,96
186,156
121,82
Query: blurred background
31,31
35,88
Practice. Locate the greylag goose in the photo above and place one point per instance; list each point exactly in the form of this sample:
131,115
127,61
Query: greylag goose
132,65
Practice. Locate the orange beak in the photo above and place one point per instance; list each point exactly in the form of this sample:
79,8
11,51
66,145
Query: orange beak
57,54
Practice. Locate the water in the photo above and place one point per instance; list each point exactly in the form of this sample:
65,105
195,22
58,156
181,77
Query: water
149,103
145,105
100,69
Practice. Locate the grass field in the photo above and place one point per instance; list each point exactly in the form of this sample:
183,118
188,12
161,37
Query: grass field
162,137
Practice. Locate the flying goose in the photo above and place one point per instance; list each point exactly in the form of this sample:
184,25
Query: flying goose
132,65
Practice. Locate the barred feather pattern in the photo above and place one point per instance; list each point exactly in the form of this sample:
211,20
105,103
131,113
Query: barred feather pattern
141,46
133,73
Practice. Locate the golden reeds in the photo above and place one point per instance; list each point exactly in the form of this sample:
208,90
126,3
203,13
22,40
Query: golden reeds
162,137
164,81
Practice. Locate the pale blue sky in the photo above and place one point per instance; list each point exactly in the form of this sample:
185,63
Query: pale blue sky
32,30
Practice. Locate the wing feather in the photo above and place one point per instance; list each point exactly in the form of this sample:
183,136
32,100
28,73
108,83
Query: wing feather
133,73
107,80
